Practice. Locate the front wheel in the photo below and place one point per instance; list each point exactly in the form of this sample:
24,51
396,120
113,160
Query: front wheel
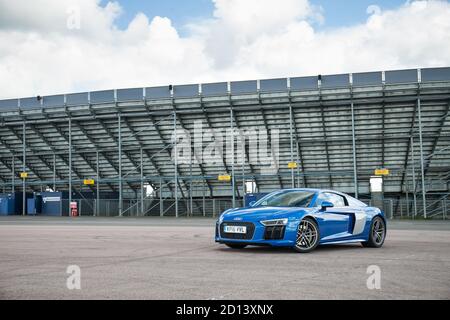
236,245
308,236
377,233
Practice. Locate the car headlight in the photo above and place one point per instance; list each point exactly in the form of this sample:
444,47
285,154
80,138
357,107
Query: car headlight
275,222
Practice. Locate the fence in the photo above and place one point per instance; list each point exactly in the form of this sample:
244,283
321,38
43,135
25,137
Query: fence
205,207
155,207
436,208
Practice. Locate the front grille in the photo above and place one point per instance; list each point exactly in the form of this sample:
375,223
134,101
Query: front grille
247,236
274,232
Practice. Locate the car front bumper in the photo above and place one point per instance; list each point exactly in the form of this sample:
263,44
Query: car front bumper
258,234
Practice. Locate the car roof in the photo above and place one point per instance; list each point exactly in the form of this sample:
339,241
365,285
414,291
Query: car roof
316,190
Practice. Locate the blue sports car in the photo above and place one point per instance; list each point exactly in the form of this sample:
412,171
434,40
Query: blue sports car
302,219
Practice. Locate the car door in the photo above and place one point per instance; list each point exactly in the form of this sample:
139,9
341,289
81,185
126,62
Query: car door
336,221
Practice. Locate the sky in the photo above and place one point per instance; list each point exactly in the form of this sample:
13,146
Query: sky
182,12
60,46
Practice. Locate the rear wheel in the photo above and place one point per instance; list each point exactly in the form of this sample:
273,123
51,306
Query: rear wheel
307,236
377,233
236,245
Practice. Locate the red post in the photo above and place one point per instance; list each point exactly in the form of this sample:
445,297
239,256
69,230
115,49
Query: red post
73,209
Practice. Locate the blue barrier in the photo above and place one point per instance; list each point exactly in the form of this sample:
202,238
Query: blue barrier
10,204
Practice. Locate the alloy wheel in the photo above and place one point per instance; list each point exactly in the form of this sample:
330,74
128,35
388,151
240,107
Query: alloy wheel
307,235
378,231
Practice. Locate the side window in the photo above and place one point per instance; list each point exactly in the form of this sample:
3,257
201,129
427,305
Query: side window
340,201
337,200
322,197
352,202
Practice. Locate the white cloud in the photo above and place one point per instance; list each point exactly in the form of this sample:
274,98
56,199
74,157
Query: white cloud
245,39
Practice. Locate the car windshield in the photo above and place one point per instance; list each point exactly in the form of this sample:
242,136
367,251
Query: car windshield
286,199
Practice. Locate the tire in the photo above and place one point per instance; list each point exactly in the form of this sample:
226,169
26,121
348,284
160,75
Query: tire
308,236
236,245
377,233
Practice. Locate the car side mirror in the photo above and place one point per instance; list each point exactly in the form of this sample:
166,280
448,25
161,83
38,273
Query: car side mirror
251,203
325,205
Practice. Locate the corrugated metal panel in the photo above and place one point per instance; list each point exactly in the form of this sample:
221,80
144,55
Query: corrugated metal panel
401,76
185,91
9,104
30,103
103,96
162,92
242,87
215,89
129,94
77,98
273,85
335,81
54,101
435,74
304,83
367,79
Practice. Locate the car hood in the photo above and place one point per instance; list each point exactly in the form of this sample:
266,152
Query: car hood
261,213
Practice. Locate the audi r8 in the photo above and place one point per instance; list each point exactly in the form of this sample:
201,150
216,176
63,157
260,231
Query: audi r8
302,219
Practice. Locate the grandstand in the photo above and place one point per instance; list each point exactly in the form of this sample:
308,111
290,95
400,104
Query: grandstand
337,128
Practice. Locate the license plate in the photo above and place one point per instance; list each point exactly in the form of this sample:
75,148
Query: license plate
235,229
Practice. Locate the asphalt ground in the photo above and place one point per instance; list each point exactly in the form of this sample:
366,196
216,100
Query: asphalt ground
168,258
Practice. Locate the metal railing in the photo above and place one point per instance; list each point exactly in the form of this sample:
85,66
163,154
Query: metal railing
155,207
437,208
